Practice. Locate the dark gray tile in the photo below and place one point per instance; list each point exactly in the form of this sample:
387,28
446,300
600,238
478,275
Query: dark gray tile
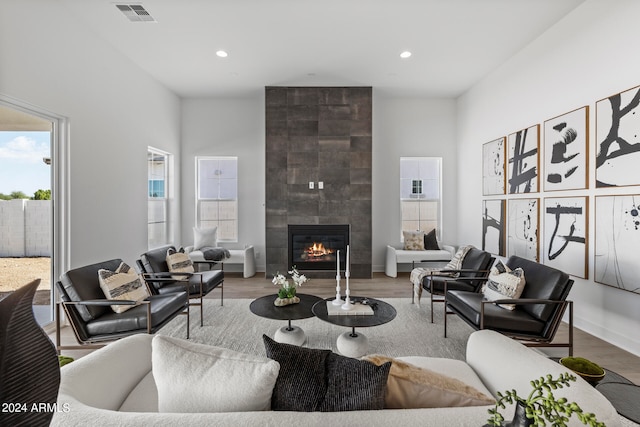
334,175
361,160
334,144
276,143
303,143
276,159
275,95
335,192
302,112
334,112
303,219
360,128
335,128
361,143
307,208
360,191
302,96
328,160
301,176
361,176
302,127
362,112
276,113
277,237
302,159
277,128
334,96
360,208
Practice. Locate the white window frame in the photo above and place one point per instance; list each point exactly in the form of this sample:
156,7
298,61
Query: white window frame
158,217
421,211
219,206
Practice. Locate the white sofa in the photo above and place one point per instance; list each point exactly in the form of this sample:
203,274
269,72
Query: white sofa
114,386
245,256
397,256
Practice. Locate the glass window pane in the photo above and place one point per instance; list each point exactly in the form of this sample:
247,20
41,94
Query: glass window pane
208,210
228,188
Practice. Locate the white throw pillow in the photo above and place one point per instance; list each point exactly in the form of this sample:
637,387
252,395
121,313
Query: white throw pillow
195,377
504,283
205,237
122,284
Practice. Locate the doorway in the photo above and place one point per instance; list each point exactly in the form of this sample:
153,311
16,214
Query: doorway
32,182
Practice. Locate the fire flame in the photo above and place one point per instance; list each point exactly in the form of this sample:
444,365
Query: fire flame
318,250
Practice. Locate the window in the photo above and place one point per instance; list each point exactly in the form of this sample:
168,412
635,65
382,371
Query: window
217,195
420,182
157,204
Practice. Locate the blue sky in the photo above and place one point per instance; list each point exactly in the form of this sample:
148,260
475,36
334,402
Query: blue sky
21,165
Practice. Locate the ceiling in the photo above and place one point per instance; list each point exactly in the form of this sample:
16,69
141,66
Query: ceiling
328,42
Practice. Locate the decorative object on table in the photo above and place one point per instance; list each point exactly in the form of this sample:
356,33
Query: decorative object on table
338,300
589,371
287,291
541,406
347,300
29,369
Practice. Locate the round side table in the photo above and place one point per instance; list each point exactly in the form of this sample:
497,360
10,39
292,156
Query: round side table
355,344
289,334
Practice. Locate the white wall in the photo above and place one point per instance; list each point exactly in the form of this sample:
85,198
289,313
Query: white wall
410,127
587,56
48,59
401,127
227,127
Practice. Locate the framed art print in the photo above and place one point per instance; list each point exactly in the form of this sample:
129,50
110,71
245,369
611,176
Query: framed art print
566,151
522,228
617,242
618,139
566,223
493,167
522,163
493,226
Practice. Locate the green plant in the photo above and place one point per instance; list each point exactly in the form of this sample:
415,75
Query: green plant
542,406
582,365
63,360
286,289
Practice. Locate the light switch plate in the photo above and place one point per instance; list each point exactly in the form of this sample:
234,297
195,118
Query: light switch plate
320,185
311,185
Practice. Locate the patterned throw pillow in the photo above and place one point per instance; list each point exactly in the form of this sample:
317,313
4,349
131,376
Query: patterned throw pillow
504,283
122,284
413,240
179,262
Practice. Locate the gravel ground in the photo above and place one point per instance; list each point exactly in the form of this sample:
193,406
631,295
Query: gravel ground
17,272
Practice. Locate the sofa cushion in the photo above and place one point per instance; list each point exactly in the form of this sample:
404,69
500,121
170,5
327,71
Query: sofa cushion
122,284
410,386
319,380
413,240
504,283
195,378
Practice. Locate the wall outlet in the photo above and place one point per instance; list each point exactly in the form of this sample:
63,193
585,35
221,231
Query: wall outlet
311,185
320,185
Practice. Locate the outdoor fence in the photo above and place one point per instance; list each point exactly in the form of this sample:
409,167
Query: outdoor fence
25,228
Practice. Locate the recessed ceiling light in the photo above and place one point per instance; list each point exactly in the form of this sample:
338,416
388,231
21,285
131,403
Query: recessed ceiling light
222,54
405,54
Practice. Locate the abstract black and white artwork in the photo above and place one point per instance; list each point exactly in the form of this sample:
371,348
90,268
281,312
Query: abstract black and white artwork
522,170
493,167
617,242
566,142
522,228
565,234
618,139
493,225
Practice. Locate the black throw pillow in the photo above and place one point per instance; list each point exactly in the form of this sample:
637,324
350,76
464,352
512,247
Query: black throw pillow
354,385
430,241
301,384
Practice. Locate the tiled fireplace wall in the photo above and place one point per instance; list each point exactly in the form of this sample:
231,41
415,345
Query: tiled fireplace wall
318,134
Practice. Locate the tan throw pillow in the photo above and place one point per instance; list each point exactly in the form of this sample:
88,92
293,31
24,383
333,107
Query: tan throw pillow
410,386
122,284
504,283
179,262
413,240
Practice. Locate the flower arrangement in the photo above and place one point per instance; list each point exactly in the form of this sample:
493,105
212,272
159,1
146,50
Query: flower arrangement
287,291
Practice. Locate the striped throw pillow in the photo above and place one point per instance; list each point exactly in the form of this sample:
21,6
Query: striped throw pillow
122,284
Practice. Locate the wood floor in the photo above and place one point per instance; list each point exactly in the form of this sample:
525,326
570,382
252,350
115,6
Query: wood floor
381,286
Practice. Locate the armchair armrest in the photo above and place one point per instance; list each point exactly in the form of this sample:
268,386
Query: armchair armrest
521,301
104,302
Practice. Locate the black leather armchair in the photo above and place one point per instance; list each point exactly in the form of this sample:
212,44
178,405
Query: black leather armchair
475,269
538,311
91,317
154,268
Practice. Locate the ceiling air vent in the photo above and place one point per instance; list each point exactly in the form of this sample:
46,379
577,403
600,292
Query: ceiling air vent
135,12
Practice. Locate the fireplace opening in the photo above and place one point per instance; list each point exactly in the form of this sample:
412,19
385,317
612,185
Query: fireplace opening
315,247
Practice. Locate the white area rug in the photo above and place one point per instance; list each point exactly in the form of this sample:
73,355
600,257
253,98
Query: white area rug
411,333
